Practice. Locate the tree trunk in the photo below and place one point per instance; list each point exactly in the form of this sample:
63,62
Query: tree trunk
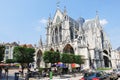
80,67
28,70
22,69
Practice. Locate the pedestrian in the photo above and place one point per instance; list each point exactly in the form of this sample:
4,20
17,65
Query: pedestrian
0,72
26,76
6,71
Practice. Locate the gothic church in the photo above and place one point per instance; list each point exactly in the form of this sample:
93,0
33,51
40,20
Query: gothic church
79,37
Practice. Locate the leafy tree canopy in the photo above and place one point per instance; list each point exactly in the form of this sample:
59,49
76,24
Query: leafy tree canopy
79,59
2,51
65,58
46,56
23,54
10,61
51,57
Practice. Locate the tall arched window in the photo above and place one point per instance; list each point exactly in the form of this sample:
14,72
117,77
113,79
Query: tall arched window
56,35
53,37
60,33
71,33
102,39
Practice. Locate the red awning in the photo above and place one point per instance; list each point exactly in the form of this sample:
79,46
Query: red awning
73,65
3,64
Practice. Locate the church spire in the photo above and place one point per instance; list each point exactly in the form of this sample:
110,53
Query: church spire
40,42
97,20
49,20
96,12
58,4
97,16
65,11
49,17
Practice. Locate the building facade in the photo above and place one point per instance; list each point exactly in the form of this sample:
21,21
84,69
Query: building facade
115,58
79,37
9,47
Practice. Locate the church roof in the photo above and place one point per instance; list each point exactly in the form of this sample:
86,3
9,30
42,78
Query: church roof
58,11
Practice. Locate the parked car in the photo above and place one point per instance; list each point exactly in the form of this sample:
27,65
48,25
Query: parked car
33,74
117,71
95,76
113,76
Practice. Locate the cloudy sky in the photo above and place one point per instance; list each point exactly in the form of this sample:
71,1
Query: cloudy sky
25,20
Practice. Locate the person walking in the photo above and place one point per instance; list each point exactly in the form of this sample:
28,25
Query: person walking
0,72
6,71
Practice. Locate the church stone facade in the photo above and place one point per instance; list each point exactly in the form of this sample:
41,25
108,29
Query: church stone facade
79,37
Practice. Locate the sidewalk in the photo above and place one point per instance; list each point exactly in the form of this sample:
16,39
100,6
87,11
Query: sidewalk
11,76
63,77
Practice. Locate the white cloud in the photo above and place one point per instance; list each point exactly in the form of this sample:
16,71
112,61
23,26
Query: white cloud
43,21
40,26
103,22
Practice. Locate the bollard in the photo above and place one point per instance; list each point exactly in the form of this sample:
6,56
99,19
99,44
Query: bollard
51,76
16,76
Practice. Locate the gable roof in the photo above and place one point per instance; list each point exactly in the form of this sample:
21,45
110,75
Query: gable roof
58,12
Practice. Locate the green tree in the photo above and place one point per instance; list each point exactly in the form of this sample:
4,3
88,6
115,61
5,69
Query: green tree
72,58
47,56
65,58
51,57
23,55
79,59
10,61
19,56
29,56
2,51
55,57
